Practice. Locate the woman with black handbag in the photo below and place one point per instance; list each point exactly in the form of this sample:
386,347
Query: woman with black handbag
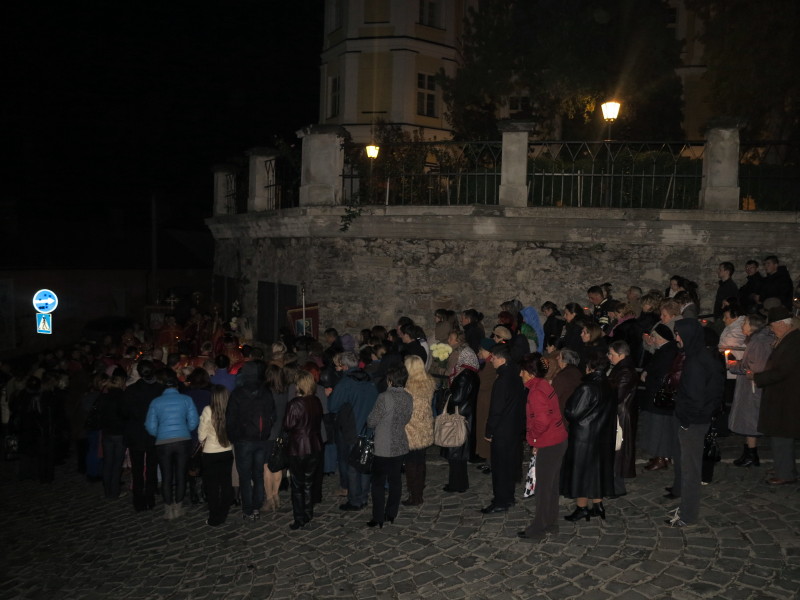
464,385
658,427
388,418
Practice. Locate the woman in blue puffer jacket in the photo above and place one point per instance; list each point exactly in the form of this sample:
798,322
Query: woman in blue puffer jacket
170,419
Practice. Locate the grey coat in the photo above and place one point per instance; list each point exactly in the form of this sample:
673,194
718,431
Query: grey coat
747,397
392,411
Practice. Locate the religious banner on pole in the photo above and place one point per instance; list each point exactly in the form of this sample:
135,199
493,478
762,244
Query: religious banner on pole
311,324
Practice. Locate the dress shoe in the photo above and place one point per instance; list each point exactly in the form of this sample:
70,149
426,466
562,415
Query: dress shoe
580,512
410,502
657,464
671,496
295,525
778,481
486,469
374,523
531,537
598,510
449,490
349,507
493,508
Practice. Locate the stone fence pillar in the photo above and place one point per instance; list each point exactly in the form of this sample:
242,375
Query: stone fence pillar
322,164
514,170
720,187
224,190
261,179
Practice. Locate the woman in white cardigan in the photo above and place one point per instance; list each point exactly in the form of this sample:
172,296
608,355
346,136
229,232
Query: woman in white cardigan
217,457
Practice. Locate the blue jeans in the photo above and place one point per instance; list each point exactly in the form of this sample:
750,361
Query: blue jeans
250,459
357,486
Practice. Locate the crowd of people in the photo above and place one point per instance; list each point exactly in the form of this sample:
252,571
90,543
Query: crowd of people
561,398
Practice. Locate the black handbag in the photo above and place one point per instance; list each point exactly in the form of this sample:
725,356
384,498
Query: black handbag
664,398
279,457
363,453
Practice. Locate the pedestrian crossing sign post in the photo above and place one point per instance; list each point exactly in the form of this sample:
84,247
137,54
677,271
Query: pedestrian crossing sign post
44,323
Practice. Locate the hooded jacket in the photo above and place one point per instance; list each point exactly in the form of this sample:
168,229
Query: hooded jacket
699,393
251,408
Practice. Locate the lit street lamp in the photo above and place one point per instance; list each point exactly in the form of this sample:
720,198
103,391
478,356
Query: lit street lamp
610,113
372,154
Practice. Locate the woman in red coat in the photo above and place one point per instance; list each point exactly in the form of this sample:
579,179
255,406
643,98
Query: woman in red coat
302,422
547,437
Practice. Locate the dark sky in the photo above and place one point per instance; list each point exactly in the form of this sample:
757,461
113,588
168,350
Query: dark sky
111,102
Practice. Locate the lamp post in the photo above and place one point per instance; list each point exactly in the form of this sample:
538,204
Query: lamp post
372,154
610,113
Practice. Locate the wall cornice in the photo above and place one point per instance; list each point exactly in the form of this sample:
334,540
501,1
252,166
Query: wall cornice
779,230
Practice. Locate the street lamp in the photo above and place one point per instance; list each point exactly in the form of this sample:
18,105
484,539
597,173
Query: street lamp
610,113
372,154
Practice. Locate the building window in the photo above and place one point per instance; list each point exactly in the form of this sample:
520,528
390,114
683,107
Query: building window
337,14
333,96
430,13
426,95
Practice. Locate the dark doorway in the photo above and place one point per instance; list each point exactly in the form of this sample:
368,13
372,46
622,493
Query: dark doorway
274,299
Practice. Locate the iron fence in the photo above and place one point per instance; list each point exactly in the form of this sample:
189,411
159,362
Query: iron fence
282,183
769,176
615,174
236,190
423,173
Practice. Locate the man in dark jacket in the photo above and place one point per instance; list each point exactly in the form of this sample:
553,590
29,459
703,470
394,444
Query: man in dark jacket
249,418
727,287
776,282
779,416
505,427
142,445
698,396
749,292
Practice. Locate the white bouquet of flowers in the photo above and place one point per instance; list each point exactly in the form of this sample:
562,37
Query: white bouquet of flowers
441,352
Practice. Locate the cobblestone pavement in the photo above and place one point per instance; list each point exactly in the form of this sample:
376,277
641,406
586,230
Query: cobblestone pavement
63,541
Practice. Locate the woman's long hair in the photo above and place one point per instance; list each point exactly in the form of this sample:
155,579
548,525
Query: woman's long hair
419,383
219,404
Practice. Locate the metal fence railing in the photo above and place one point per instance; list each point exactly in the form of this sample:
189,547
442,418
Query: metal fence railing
769,176
423,173
615,174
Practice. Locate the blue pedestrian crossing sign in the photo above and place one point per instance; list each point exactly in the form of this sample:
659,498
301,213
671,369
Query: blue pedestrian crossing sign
45,301
44,323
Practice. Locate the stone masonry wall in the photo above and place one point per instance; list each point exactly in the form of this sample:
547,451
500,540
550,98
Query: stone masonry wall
459,259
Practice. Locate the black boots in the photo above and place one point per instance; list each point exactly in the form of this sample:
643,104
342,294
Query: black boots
749,458
580,512
598,510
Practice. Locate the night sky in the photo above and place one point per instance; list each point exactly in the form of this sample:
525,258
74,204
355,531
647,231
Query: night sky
110,103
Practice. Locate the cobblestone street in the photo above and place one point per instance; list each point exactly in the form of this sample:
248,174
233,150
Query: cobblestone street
63,541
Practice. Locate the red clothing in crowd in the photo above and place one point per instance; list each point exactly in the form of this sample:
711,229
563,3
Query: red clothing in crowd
544,422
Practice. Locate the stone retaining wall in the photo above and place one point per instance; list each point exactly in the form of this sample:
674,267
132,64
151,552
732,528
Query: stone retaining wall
412,260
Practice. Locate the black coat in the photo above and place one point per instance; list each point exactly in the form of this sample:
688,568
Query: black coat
464,396
572,337
506,420
137,401
699,393
778,285
749,291
553,326
624,380
657,370
726,289
591,411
